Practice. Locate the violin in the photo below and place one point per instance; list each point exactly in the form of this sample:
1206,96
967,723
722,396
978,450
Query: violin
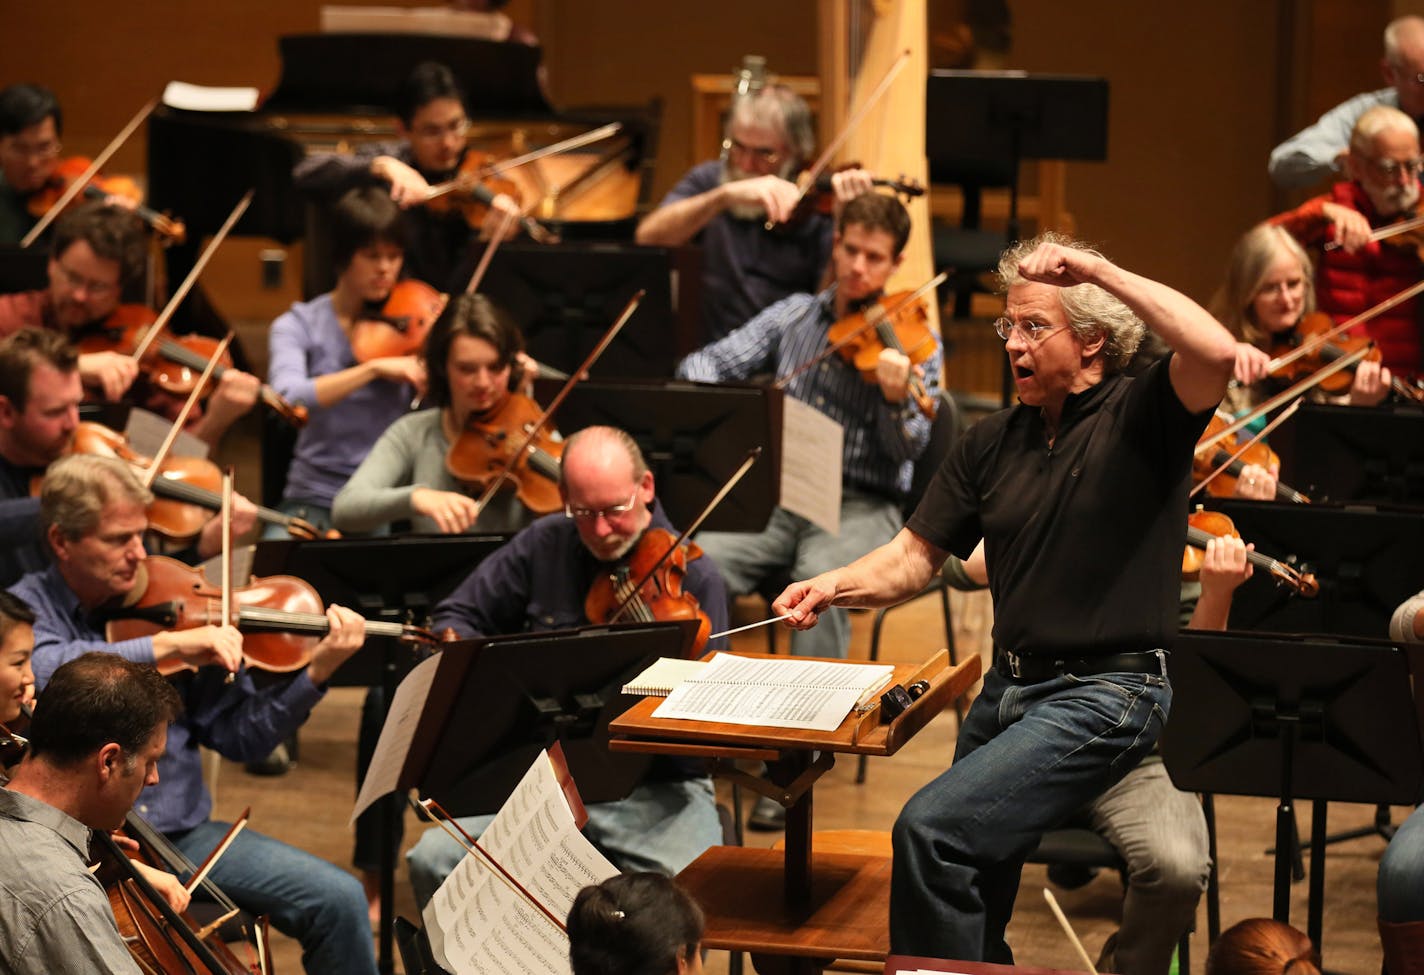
186,488
1224,484
898,321
472,189
1321,354
819,196
66,171
281,617
172,362
486,448
401,325
1203,526
660,596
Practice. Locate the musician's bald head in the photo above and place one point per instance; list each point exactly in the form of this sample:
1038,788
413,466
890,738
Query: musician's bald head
607,490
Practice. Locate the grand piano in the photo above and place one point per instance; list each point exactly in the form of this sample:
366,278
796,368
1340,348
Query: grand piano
335,91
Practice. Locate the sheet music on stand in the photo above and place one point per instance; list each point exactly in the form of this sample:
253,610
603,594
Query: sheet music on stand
477,922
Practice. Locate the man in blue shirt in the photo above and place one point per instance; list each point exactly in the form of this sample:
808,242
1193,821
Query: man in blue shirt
92,512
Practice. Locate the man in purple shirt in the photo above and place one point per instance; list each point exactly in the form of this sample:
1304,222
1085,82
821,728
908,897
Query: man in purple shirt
92,512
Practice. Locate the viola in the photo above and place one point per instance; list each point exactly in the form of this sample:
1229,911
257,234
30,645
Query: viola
66,171
472,189
819,196
401,324
1224,484
281,617
893,322
186,488
173,362
617,595
486,448
1318,324
1203,526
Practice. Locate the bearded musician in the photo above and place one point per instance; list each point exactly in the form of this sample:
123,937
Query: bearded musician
539,580
724,207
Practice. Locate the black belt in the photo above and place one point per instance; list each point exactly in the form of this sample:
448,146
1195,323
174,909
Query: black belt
1037,667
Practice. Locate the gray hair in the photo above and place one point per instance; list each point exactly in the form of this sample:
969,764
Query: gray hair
1394,39
605,436
77,488
780,109
1251,261
1092,312
1375,122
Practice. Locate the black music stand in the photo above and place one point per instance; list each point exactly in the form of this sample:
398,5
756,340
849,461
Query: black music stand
1365,559
1293,717
693,435
382,579
1346,453
23,268
565,297
498,701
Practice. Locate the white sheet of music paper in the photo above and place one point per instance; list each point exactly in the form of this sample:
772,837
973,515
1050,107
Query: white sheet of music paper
785,693
811,445
407,704
207,98
477,922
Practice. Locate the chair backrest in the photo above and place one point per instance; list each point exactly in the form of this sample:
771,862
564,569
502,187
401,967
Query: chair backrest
944,434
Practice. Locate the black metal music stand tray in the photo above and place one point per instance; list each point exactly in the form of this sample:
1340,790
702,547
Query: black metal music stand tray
1365,559
565,297
693,435
382,578
505,698
1349,454
1293,717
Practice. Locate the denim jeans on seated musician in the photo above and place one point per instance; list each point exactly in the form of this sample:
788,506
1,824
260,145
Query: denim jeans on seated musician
1028,756
316,515
309,899
1400,892
661,826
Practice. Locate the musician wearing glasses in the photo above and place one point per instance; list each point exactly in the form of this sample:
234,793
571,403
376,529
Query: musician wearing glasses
1355,272
723,206
539,581
1318,153
1078,494
432,125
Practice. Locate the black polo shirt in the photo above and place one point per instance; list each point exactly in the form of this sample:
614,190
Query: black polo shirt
22,547
1084,539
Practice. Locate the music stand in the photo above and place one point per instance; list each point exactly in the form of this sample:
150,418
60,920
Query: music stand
1345,453
506,698
1293,717
23,268
1365,559
564,298
693,435
997,116
382,579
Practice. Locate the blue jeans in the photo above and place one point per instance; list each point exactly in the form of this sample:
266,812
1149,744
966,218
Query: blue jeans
791,544
1028,756
1400,886
309,899
661,826
318,515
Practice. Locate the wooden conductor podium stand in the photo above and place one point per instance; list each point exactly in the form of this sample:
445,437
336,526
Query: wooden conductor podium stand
764,901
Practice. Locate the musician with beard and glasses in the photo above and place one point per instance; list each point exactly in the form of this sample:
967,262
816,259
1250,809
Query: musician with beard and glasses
724,206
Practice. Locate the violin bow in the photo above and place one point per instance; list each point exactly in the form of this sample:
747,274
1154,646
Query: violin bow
1068,930
77,186
870,323
157,327
1285,414
1385,232
726,489
200,874
503,166
151,471
1307,347
485,258
808,179
1306,384
573,380
428,808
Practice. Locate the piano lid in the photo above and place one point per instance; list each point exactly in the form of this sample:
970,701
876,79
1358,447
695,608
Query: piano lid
363,72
